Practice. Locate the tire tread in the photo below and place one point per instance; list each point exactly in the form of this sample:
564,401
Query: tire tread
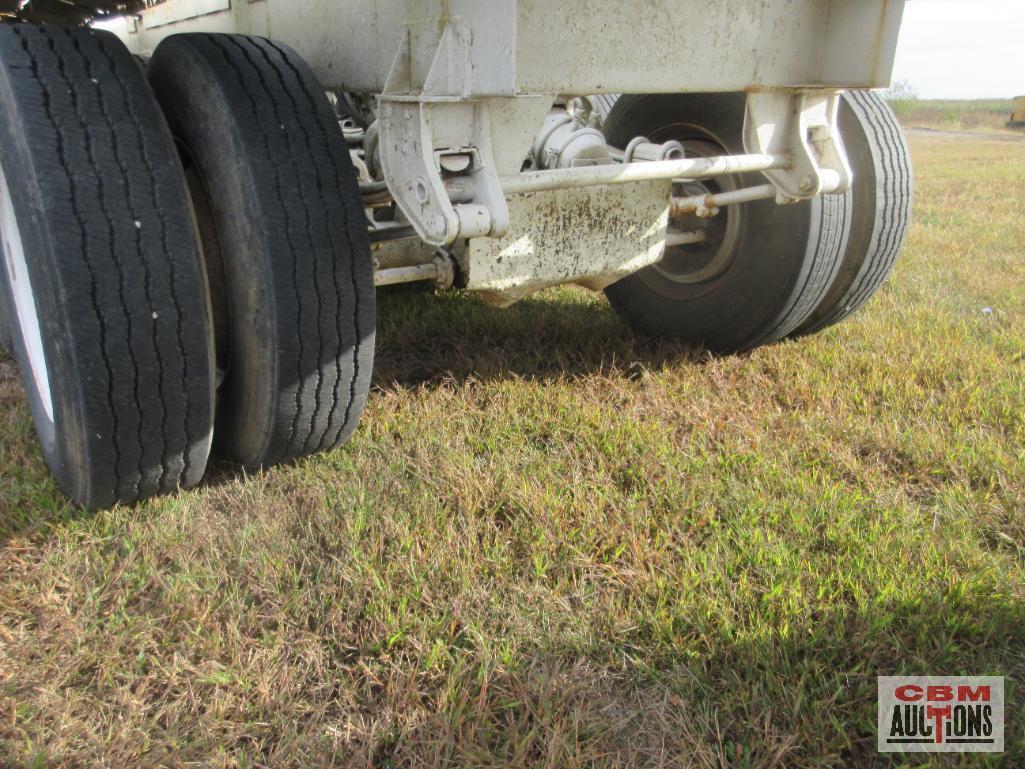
327,308
893,197
110,186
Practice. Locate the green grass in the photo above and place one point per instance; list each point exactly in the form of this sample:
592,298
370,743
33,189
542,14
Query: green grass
550,544
985,115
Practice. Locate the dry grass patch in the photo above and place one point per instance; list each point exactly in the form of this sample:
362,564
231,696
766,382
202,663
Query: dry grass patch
977,115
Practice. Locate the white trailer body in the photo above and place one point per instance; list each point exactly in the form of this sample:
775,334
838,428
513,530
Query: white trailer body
519,47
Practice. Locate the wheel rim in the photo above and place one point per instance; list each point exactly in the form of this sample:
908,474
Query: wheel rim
705,261
24,299
213,258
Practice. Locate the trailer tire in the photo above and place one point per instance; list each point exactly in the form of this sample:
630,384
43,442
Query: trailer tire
298,335
880,201
767,266
102,270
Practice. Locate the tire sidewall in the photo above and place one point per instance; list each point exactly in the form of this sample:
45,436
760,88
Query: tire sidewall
867,203
62,440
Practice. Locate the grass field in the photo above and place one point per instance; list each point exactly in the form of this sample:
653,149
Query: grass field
985,115
550,544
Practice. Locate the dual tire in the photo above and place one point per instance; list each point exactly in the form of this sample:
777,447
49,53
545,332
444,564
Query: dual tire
112,291
765,272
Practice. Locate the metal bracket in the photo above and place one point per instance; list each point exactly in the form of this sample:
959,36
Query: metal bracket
436,142
803,125
414,160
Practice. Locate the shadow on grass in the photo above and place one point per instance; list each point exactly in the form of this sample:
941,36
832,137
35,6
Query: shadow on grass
425,339
804,700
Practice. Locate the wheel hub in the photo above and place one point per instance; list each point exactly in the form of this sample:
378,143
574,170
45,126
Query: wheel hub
707,260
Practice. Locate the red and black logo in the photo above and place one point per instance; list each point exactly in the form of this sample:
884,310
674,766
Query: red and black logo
941,714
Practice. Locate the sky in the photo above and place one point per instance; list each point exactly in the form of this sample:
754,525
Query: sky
963,49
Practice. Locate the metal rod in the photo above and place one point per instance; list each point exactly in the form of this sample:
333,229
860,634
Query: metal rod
399,232
684,238
687,168
394,275
710,202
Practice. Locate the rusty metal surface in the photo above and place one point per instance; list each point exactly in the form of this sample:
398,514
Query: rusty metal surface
401,253
591,236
